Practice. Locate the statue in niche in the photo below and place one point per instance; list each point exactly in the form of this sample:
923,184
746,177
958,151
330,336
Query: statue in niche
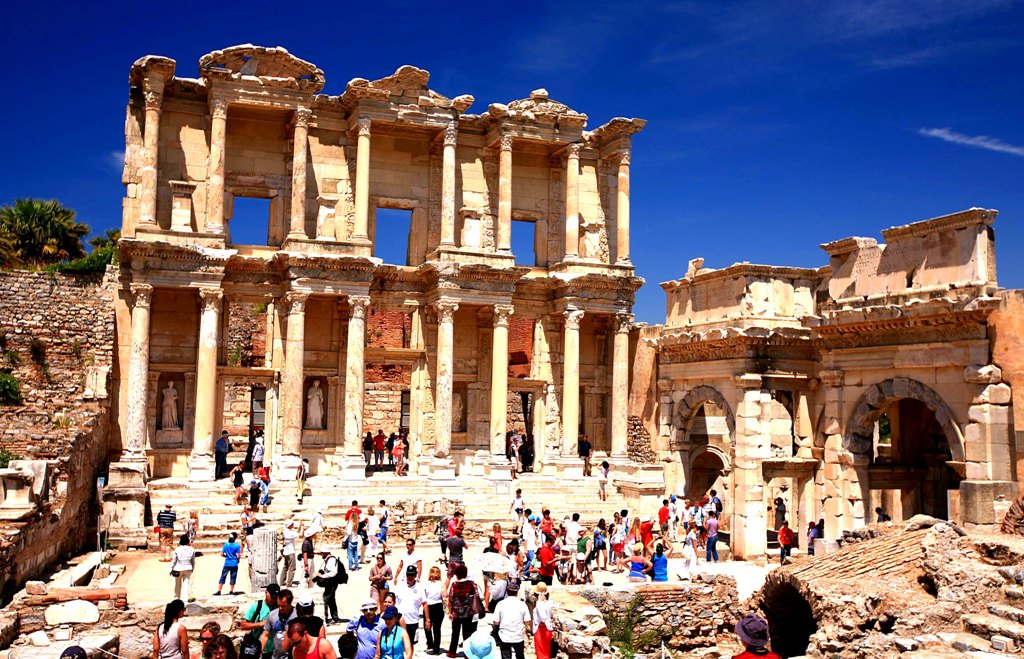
591,240
315,407
169,409
457,413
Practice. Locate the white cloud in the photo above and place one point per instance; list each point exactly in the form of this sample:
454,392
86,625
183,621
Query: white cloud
977,141
116,160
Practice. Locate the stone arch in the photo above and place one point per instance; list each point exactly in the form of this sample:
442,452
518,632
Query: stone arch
697,451
873,402
689,405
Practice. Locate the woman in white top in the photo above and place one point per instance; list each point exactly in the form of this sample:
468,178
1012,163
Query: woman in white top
373,531
182,563
170,641
435,609
542,623
689,552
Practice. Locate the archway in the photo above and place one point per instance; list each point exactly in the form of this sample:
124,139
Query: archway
906,436
708,471
791,621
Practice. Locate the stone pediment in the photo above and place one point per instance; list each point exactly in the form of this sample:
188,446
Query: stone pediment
272,67
540,107
407,85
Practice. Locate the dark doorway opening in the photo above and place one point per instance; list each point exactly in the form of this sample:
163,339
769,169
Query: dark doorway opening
790,619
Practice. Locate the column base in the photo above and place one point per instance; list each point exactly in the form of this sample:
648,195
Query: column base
498,468
285,467
124,502
201,467
567,466
440,470
351,467
978,502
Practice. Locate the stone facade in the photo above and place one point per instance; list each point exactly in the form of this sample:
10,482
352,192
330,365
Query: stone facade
315,319
868,382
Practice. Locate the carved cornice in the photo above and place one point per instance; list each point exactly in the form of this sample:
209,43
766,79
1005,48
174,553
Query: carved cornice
502,312
573,318
446,310
211,298
832,378
358,305
296,302
451,134
142,294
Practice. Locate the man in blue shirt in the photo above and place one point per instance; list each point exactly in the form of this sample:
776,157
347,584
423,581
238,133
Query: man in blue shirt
165,522
221,455
367,628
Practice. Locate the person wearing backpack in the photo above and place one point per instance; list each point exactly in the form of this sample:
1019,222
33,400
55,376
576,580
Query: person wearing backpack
717,503
252,621
331,575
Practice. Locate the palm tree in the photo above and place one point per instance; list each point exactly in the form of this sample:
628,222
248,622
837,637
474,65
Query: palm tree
43,231
8,251
108,239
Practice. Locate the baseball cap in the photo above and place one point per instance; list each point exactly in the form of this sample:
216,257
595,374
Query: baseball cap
74,652
306,599
390,612
273,589
411,571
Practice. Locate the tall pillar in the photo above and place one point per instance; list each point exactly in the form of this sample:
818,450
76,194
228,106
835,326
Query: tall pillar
572,200
300,148
443,385
201,462
499,380
622,211
292,380
215,179
355,374
153,94
362,200
448,186
571,382
505,195
620,384
138,375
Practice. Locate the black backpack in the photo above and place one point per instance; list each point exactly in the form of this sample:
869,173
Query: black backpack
250,648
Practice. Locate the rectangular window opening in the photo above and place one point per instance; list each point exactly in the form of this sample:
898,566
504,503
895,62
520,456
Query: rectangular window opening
250,221
524,242
406,406
392,228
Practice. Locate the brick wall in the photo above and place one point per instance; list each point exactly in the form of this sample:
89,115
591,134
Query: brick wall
246,334
388,329
520,346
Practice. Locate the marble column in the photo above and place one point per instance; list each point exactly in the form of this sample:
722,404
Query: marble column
300,149
201,461
504,233
571,382
572,200
622,211
620,384
138,375
292,380
153,94
443,384
448,186
362,201
499,380
215,178
355,373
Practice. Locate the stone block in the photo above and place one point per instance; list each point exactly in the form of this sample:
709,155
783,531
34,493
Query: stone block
976,470
996,394
987,374
73,612
977,499
976,451
35,588
39,639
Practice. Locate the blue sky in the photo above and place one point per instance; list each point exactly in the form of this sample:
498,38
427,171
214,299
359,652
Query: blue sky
774,126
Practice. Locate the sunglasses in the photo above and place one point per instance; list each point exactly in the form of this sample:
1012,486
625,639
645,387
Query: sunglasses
205,639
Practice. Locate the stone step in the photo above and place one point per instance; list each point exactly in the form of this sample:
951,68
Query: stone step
1007,612
987,625
966,642
1013,592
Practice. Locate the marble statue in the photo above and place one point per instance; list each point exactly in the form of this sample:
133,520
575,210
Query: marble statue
169,409
315,407
457,415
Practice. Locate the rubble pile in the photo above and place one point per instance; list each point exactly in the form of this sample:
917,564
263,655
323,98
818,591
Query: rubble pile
919,587
638,446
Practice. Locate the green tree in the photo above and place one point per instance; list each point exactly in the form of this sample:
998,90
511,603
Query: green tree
43,231
8,251
108,239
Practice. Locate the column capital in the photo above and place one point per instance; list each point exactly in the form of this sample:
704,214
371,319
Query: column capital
358,305
302,117
153,98
211,298
446,310
623,323
622,158
451,133
573,318
143,294
572,151
296,302
363,127
505,144
502,312
219,107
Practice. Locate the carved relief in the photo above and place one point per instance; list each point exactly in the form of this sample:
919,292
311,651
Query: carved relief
143,294
502,312
296,302
446,310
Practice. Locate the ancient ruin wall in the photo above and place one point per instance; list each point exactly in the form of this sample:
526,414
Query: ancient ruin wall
64,418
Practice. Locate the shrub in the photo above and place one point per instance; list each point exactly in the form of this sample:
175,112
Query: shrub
37,348
11,358
97,261
10,390
622,632
6,457
61,421
76,349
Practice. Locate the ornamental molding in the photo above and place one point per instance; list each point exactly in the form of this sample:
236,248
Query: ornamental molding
211,298
296,302
573,317
446,310
502,313
142,294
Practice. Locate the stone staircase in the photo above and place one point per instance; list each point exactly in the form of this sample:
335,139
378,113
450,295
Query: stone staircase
484,502
998,630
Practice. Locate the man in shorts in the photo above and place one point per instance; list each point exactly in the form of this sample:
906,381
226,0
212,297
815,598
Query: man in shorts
308,563
165,523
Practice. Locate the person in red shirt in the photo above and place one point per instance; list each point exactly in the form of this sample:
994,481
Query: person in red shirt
354,510
379,444
663,513
547,524
785,542
753,632
548,560
647,533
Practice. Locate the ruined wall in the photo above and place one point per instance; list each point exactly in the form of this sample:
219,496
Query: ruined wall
64,418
